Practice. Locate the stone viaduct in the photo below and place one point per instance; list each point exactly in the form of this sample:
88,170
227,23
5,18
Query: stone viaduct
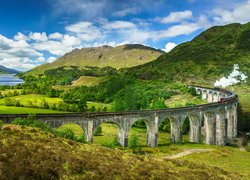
218,119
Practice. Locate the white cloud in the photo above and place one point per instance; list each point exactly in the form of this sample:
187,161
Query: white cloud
20,36
176,30
55,35
18,53
16,63
38,36
126,12
236,76
177,17
51,59
119,25
135,35
169,46
239,13
53,47
70,41
85,30
79,27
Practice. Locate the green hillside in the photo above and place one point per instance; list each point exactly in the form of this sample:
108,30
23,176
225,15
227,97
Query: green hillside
209,56
117,57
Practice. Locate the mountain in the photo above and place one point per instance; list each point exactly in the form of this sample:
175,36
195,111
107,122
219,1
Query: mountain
209,56
118,57
4,70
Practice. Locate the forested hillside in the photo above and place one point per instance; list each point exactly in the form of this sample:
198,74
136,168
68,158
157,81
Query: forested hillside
209,56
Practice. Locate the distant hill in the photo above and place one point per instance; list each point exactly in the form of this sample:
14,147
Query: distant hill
5,70
118,57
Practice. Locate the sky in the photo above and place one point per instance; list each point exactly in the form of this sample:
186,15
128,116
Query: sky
33,32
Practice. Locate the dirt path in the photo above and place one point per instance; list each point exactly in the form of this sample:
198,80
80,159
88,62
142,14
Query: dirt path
187,152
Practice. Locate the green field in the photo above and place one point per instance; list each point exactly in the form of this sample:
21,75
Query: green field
30,100
24,110
8,91
34,99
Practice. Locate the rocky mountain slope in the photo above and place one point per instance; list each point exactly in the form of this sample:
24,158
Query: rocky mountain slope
118,57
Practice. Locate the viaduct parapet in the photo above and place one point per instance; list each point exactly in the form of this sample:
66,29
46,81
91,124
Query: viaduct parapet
217,119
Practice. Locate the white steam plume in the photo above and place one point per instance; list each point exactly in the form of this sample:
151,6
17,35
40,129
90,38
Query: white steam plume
235,77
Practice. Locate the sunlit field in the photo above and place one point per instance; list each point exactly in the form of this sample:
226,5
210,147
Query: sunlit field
24,110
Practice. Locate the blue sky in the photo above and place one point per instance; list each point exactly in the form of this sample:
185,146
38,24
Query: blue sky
33,32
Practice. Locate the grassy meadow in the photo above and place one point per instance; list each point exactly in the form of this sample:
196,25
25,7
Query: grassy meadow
25,110
31,100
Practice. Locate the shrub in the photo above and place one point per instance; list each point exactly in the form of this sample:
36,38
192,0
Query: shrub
192,91
80,138
1,124
139,124
98,131
186,126
248,147
66,133
165,126
31,121
133,142
115,142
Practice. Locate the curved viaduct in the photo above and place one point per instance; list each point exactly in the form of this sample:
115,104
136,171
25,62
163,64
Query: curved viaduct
218,118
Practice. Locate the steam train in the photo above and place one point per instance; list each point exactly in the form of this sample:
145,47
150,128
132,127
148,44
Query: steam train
231,95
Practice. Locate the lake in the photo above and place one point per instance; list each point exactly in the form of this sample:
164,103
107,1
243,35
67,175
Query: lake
10,80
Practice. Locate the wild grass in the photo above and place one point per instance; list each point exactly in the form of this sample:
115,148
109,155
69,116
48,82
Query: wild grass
87,81
34,154
82,81
245,101
183,100
227,158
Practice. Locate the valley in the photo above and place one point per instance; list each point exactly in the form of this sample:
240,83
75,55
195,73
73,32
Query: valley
132,78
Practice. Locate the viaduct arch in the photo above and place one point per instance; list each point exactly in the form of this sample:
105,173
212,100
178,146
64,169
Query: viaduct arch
219,117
